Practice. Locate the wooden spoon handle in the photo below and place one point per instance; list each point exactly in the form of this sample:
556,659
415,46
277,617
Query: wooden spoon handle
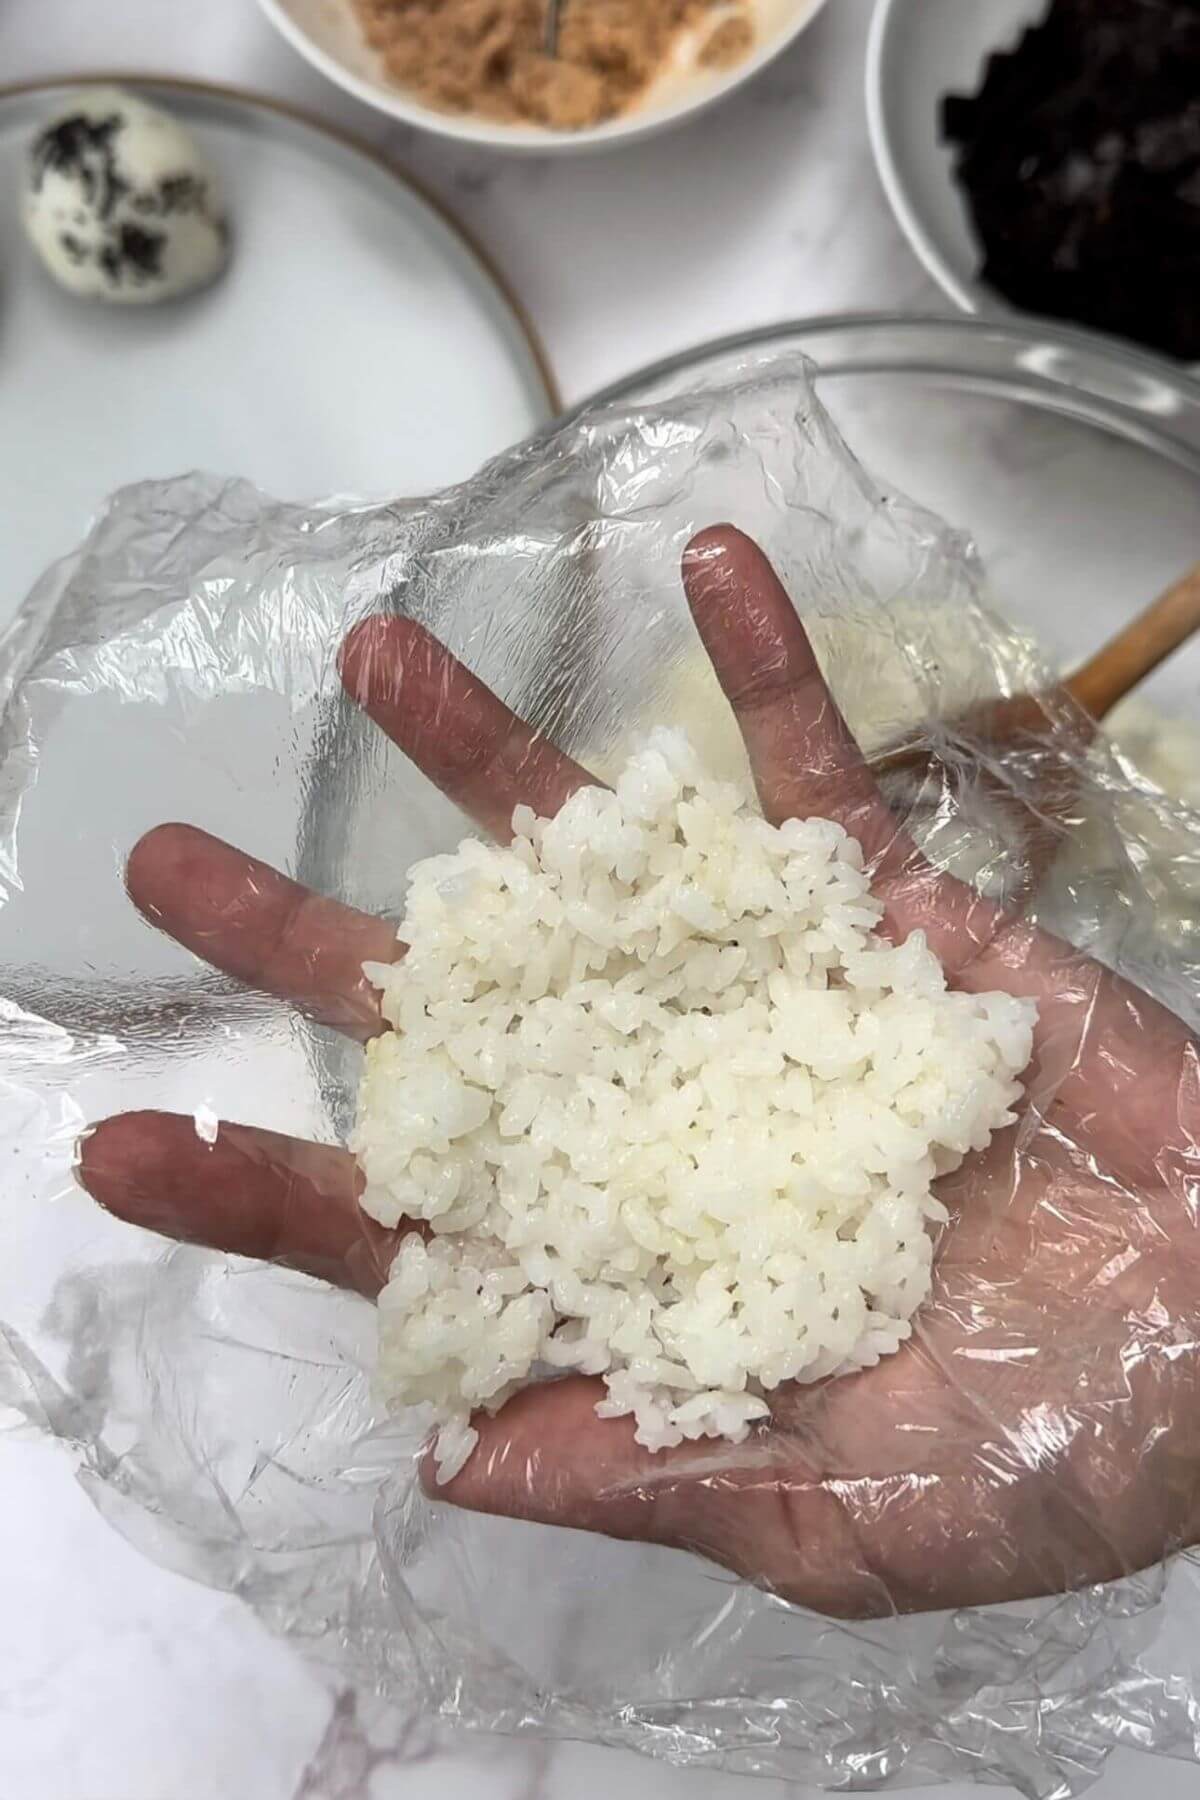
997,723
1103,680
1129,657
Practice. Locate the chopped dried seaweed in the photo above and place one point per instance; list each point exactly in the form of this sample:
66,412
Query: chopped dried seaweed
1080,158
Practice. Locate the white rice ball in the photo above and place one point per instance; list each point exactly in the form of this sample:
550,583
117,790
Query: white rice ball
119,202
669,1108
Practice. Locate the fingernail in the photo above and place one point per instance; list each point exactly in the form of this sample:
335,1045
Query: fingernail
77,1160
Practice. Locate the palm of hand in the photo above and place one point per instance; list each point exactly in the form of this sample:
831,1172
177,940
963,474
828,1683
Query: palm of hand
1036,1433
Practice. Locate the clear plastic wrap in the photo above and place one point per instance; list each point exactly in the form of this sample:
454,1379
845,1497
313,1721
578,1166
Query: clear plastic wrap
183,665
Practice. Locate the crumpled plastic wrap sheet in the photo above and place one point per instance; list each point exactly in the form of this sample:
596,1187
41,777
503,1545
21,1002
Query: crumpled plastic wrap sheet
181,664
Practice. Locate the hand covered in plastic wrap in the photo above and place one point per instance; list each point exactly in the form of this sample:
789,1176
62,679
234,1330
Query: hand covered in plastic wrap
974,1465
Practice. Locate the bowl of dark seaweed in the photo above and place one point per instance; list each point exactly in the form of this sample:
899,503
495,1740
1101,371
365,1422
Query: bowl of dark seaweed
1043,156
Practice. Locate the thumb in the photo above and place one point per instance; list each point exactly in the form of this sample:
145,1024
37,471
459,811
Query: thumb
755,1508
546,1457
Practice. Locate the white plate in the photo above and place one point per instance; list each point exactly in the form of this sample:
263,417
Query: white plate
918,52
356,344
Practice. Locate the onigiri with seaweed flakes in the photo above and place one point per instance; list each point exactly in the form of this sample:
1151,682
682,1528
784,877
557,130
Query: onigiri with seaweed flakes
120,202
668,1107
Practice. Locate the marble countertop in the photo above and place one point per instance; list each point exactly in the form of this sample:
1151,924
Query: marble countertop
118,1680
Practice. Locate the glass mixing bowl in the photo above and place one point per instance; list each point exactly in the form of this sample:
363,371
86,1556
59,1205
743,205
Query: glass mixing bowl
1073,462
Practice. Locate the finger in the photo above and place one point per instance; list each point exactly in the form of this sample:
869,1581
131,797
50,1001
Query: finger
249,1193
453,727
246,918
548,1459
805,760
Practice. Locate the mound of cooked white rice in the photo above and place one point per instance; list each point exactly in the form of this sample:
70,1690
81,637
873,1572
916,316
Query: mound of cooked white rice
669,1108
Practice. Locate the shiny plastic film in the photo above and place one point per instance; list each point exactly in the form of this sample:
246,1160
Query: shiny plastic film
968,1562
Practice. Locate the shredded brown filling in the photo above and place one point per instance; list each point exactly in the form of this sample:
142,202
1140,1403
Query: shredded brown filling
488,56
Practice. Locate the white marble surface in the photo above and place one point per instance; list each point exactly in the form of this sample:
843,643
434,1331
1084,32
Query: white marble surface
119,1681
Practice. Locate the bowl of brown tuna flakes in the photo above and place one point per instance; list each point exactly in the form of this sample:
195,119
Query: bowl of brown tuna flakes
540,74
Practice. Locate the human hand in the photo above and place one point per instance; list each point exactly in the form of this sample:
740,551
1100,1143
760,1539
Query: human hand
1040,1431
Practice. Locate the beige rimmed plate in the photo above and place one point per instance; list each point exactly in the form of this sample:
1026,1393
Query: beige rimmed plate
357,344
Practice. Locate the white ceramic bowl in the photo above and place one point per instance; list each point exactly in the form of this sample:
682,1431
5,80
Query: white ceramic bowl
326,35
919,51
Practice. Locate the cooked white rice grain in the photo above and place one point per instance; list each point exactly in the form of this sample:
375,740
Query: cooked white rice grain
669,1107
